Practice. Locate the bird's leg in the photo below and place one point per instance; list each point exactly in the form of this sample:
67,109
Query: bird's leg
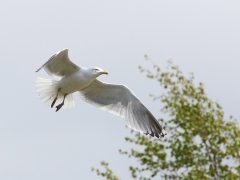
60,105
55,98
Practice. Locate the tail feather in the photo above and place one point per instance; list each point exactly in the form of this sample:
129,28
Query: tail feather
47,90
69,102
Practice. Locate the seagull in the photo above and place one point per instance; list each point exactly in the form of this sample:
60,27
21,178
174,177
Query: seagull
116,99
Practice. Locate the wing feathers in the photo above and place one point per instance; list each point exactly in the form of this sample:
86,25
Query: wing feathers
59,65
121,101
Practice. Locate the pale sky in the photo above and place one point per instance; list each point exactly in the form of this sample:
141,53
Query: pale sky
36,142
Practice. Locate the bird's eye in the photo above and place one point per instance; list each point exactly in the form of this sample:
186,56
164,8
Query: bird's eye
95,69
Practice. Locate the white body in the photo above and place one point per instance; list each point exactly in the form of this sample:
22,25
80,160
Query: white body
75,82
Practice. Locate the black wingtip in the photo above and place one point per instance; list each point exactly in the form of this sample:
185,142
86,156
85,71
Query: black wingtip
163,133
38,69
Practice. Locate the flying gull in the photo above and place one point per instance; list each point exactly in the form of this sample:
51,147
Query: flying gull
116,99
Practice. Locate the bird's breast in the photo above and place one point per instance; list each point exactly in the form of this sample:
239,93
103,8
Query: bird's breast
73,83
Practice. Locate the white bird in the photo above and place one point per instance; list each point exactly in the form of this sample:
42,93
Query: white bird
116,99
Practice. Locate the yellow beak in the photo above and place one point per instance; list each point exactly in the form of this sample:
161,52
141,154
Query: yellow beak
104,72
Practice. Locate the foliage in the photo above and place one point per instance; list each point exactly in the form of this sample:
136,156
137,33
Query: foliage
201,143
108,174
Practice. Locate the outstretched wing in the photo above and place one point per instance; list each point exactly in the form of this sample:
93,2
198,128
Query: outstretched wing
59,65
121,101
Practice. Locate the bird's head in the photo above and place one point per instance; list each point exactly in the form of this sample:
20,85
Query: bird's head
98,71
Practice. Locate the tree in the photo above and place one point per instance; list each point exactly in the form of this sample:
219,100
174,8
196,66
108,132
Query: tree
201,143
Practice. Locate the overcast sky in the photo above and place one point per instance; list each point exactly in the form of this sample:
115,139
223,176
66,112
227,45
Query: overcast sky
36,142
